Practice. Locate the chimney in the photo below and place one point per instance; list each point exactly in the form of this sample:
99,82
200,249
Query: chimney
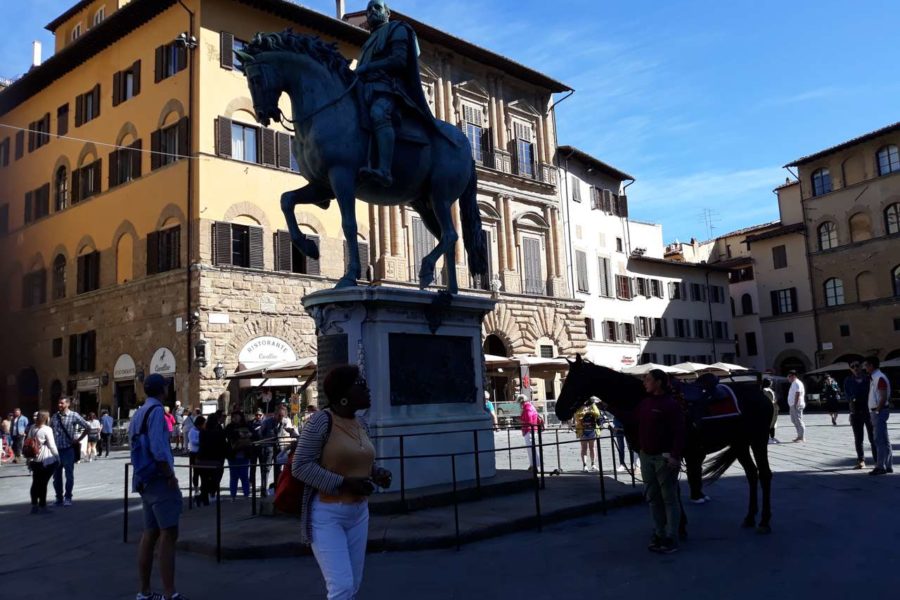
35,54
340,7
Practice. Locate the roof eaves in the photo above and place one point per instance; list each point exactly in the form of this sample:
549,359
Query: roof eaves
573,152
857,140
678,263
53,25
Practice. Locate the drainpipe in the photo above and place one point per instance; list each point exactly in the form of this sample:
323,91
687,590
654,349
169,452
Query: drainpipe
565,206
627,223
191,44
809,269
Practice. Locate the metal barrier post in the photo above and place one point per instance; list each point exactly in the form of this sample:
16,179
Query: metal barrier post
455,501
477,462
402,476
540,444
219,524
631,455
537,492
602,479
125,509
613,445
190,486
253,495
509,445
558,458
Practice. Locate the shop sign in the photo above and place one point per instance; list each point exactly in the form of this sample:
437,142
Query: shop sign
124,369
266,350
163,362
627,360
87,384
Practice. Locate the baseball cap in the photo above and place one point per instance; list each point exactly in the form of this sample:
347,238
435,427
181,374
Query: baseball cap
155,384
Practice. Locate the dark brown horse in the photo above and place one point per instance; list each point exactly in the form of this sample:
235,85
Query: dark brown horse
736,436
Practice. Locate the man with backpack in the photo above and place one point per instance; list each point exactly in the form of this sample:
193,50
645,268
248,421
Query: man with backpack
154,479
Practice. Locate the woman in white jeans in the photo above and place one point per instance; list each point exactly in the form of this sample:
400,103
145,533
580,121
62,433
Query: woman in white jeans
336,460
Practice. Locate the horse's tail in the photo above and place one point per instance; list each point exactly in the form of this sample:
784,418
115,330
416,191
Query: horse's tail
718,464
474,238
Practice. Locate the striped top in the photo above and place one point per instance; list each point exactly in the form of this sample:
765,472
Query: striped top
307,469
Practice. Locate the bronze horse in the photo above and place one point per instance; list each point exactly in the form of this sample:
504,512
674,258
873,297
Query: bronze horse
736,437
432,166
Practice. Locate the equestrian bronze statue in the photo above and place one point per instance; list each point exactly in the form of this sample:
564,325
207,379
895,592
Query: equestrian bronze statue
367,134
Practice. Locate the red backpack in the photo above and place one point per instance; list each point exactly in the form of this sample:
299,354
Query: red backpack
32,447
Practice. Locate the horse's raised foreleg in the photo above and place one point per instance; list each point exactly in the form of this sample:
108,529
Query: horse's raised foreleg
344,187
308,194
446,244
761,454
750,470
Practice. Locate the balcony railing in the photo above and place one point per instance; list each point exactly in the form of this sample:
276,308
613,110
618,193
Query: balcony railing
503,161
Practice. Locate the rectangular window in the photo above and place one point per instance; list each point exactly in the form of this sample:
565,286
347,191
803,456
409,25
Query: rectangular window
88,272
291,260
525,158
610,331
669,359
784,301
170,59
125,164
82,353
648,357
676,291
620,245
684,358
720,330
20,144
897,324
682,328
363,257
4,219
643,286
235,46
604,277
87,106
531,257
126,83
589,328
238,245
244,140
750,337
423,243
582,272
546,351
169,144
698,292
659,327
4,153
62,120
164,250
779,257
699,327
656,288
845,330
228,47
34,289
474,132
39,133
788,337
628,332
623,287
86,181
576,190
57,347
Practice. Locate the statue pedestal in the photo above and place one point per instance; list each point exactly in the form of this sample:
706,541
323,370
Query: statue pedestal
422,356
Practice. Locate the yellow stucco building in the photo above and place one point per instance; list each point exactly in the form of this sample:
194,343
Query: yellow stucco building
140,216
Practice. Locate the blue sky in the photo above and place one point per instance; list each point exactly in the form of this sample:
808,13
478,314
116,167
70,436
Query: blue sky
702,101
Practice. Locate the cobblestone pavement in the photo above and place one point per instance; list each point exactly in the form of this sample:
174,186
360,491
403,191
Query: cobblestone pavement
836,534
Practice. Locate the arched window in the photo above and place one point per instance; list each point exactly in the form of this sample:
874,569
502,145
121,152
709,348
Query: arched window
59,277
834,292
61,187
892,218
821,182
888,160
747,304
860,227
827,236
895,278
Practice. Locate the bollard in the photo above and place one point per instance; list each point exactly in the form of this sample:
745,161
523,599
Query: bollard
219,525
253,496
602,480
190,486
558,458
125,508
540,445
509,445
477,463
537,492
612,447
402,476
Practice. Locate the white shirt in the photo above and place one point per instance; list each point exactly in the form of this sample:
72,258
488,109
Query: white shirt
793,399
48,454
879,381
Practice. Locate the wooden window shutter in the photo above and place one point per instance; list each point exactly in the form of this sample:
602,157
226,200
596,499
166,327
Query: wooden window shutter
268,147
117,88
79,110
113,179
62,120
96,93
29,208
284,150
182,57
152,253
73,354
226,46
160,64
20,144
312,265
32,135
222,243
184,136
223,136
283,251
155,156
82,276
42,207
136,72
256,248
90,354
793,299
136,155
774,297
97,170
623,206
76,186
364,259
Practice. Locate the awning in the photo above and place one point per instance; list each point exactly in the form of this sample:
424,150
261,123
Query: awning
832,368
646,368
729,367
537,367
289,370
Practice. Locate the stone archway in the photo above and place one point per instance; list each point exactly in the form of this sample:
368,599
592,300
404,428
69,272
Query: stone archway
789,360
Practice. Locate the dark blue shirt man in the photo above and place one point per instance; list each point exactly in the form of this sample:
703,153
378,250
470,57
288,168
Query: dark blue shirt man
856,388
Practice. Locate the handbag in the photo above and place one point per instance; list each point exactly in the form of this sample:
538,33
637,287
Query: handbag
289,490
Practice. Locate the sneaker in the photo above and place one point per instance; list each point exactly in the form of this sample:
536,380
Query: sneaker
860,465
655,543
67,502
702,500
594,468
150,596
58,502
585,468
668,546
877,471
177,596
622,469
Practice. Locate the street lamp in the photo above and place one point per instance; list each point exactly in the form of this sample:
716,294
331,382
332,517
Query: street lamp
200,353
219,371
